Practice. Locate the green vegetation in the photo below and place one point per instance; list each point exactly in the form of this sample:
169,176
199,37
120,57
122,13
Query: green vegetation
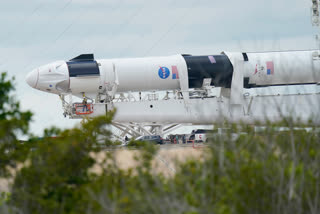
12,123
265,172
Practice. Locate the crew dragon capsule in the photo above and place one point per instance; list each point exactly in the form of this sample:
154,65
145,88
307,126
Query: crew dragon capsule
86,75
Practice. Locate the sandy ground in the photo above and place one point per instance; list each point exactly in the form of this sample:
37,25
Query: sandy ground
4,185
165,161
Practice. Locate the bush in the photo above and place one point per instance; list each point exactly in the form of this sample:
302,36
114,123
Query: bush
270,171
13,122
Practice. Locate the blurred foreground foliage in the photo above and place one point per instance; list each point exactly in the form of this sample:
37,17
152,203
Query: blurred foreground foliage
246,171
13,122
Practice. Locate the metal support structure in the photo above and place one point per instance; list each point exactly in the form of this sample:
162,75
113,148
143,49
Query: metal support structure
315,13
66,106
315,20
135,130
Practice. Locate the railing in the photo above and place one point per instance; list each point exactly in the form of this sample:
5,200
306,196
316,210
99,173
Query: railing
83,109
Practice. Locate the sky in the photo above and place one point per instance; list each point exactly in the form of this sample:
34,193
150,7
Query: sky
37,32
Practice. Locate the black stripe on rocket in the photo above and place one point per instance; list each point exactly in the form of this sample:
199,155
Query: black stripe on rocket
216,67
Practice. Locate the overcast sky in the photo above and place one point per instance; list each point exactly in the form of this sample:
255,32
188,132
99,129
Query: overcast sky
37,32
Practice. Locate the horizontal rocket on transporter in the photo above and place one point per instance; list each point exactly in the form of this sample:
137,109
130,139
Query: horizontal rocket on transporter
87,75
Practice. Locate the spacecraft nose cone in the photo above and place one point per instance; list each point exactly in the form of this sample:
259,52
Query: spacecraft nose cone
32,78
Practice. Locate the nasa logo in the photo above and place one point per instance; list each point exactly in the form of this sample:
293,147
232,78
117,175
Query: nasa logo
163,72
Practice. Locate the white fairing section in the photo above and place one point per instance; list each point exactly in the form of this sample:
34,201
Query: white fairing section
142,74
85,84
278,68
108,77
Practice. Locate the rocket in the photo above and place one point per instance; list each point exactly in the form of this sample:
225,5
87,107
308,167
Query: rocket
86,75
101,80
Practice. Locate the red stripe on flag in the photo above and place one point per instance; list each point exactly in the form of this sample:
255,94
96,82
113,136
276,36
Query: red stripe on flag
270,66
175,71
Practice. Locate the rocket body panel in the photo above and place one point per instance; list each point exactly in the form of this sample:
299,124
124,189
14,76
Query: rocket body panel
107,74
143,74
281,68
85,84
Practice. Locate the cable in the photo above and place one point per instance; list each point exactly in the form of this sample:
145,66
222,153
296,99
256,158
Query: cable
169,30
129,19
135,41
68,27
132,42
124,24
47,24
45,50
23,21
86,33
62,10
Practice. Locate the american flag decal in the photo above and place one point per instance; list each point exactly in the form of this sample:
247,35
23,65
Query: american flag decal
175,73
212,59
270,68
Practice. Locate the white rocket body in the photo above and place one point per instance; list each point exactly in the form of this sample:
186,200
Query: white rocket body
177,72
